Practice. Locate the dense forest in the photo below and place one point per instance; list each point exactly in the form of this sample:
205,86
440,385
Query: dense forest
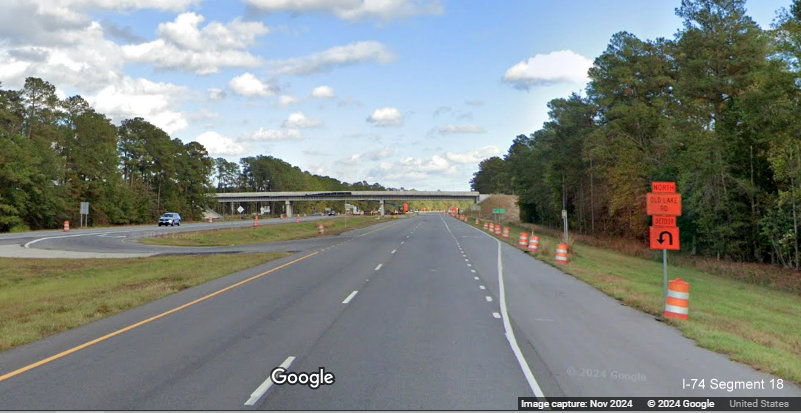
715,109
58,153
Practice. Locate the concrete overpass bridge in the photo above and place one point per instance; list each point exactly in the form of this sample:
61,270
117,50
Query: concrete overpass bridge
290,197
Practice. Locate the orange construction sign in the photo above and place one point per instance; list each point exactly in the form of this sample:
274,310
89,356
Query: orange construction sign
657,186
664,238
663,221
663,204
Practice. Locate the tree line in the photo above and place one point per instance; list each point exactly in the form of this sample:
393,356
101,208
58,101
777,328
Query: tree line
57,153
714,109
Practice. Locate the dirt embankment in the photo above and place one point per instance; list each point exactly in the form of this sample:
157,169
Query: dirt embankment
507,202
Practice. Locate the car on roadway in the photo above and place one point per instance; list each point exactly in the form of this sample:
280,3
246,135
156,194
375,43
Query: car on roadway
331,213
171,219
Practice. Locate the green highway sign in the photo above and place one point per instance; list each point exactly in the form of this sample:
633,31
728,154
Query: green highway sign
498,211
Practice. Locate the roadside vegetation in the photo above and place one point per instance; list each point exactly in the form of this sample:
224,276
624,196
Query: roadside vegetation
263,233
714,108
755,323
41,297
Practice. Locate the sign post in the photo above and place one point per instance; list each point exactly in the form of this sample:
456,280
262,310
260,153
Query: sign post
84,213
663,204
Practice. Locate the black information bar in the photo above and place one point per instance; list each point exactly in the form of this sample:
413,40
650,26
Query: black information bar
692,404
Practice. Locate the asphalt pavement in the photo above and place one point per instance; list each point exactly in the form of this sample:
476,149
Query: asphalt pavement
417,313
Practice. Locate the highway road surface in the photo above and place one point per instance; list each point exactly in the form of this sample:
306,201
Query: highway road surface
417,313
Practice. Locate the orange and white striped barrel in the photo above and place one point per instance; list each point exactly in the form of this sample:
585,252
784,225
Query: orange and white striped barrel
486,225
256,221
320,229
211,219
66,226
491,227
297,218
533,243
677,300
497,230
523,241
476,221
561,253
506,232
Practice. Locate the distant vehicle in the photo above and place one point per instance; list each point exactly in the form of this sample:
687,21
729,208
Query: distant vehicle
170,218
331,213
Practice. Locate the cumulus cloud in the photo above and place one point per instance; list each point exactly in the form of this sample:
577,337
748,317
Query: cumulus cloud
140,97
564,66
286,100
263,134
322,92
216,94
301,121
412,169
217,144
450,129
353,10
250,86
182,44
475,156
387,116
349,54
372,155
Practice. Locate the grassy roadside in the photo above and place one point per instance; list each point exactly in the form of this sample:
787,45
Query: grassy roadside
39,298
263,233
753,324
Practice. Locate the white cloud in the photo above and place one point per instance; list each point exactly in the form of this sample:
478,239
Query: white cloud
275,135
322,92
299,120
286,100
183,45
353,10
373,155
449,129
564,66
220,145
336,56
412,169
143,98
248,85
216,94
475,156
386,117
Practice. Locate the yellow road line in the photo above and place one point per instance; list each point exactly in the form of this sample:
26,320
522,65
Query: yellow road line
143,322
379,229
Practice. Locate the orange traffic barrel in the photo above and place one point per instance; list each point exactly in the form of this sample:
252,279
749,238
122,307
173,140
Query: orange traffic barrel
297,218
561,253
476,221
677,300
211,219
491,227
320,229
497,230
506,232
256,221
534,243
523,241
66,226
486,225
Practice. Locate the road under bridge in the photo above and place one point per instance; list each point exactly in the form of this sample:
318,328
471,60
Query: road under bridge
381,196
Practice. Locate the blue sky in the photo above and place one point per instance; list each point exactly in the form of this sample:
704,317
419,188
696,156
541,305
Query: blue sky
410,94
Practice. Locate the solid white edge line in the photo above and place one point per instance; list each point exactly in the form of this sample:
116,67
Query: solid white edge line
259,392
350,297
378,267
510,334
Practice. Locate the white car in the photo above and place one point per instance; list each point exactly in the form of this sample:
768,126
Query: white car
170,218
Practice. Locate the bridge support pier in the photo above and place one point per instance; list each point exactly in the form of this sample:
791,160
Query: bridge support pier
288,205
381,208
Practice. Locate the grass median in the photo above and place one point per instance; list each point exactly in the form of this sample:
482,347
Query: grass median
263,233
753,324
39,297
